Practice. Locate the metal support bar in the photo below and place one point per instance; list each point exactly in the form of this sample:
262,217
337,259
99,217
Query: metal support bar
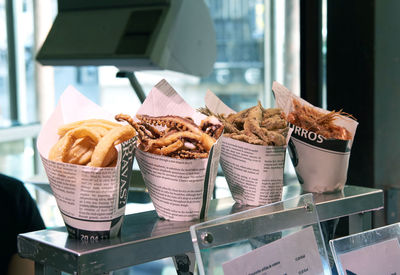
41,269
36,157
185,263
134,83
19,132
360,222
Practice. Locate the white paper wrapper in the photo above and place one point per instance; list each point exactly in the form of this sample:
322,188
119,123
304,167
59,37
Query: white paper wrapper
91,200
321,164
254,173
180,189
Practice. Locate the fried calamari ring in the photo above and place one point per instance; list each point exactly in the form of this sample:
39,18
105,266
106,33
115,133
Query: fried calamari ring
80,152
60,153
106,124
58,150
114,137
90,142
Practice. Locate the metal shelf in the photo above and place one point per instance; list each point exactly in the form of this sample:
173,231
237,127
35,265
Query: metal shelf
144,237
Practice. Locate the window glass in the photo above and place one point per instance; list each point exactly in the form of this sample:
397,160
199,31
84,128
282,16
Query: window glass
243,59
257,42
16,158
85,79
4,95
28,62
285,40
239,72
238,75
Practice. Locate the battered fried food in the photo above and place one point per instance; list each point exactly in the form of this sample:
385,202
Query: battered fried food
180,136
311,119
90,142
255,125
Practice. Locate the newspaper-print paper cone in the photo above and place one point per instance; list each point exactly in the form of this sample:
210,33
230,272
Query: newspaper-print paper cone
254,173
180,189
91,200
321,164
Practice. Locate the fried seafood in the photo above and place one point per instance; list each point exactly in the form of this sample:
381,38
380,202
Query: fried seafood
179,137
255,125
311,119
90,142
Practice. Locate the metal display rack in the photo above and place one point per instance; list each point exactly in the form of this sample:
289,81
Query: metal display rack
144,237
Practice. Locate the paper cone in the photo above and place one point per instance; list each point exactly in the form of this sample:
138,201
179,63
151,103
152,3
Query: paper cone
321,164
180,189
91,200
254,173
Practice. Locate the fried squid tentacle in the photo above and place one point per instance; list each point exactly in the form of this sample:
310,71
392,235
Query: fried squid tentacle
169,149
180,138
183,124
180,123
169,139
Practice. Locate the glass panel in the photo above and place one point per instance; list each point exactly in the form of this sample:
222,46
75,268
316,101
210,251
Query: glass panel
4,95
85,79
222,240
46,204
285,52
381,240
16,158
238,76
27,41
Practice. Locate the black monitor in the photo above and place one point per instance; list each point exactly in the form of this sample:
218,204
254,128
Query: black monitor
176,35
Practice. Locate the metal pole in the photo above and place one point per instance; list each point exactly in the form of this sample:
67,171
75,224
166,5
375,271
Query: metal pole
44,75
12,60
134,83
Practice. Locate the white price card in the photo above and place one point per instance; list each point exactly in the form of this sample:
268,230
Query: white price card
294,254
380,258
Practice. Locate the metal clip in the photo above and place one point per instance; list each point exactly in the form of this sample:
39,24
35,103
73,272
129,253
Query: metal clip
206,238
309,207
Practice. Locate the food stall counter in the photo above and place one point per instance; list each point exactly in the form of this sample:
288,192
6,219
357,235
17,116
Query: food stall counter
145,237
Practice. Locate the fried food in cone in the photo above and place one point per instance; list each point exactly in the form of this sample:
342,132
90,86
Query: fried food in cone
90,142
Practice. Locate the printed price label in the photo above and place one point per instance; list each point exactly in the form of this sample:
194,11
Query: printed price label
380,258
294,254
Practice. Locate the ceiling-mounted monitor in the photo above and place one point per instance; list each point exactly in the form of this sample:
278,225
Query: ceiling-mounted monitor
175,35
